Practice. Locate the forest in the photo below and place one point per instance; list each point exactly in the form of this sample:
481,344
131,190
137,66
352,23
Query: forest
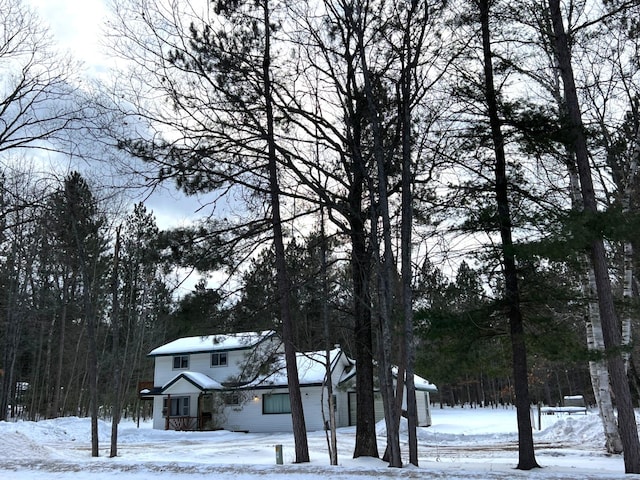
445,187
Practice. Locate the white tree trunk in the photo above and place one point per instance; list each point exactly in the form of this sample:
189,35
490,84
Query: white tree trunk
627,294
595,343
628,251
598,371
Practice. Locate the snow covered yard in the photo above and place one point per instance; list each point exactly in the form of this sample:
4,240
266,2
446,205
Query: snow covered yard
463,443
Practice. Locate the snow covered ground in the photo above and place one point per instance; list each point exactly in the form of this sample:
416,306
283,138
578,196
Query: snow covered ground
463,443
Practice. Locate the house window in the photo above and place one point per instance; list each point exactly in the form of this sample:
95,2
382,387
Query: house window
219,359
231,398
179,406
276,403
181,362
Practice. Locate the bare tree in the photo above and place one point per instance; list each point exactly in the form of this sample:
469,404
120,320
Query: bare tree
38,93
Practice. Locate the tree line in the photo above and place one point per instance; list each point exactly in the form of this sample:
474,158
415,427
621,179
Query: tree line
449,188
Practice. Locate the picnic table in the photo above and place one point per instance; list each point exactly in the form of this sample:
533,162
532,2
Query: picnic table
570,404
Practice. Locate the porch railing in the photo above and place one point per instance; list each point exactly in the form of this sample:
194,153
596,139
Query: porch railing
181,423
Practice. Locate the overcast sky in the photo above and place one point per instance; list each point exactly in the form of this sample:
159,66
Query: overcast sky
77,27
75,24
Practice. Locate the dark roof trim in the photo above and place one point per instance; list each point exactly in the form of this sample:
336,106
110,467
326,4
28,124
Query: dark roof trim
178,378
271,387
196,352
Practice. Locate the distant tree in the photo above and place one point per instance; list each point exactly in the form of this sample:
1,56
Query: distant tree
86,243
18,254
458,321
199,312
257,306
145,299
116,410
37,104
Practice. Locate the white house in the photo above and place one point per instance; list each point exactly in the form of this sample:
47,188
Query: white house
238,382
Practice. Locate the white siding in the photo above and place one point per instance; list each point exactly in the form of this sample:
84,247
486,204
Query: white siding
378,407
163,371
249,416
422,407
182,387
342,408
158,419
199,362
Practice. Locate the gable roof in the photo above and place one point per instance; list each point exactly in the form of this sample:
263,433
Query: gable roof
212,343
200,380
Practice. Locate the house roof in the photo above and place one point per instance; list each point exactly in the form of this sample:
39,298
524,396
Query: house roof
200,380
311,369
212,343
420,383
424,385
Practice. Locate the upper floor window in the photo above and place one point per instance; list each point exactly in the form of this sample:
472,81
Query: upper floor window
219,359
180,362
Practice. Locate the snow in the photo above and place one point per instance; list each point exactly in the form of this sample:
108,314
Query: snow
462,443
311,367
210,343
205,382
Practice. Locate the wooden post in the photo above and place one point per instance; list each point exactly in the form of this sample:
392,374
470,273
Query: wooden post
166,418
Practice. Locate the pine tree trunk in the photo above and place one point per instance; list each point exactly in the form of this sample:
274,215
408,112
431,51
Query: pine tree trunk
385,266
46,384
282,279
36,397
527,459
55,408
366,439
610,326
10,335
410,59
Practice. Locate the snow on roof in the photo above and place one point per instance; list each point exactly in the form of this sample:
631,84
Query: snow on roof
204,382
424,385
311,369
210,343
420,383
